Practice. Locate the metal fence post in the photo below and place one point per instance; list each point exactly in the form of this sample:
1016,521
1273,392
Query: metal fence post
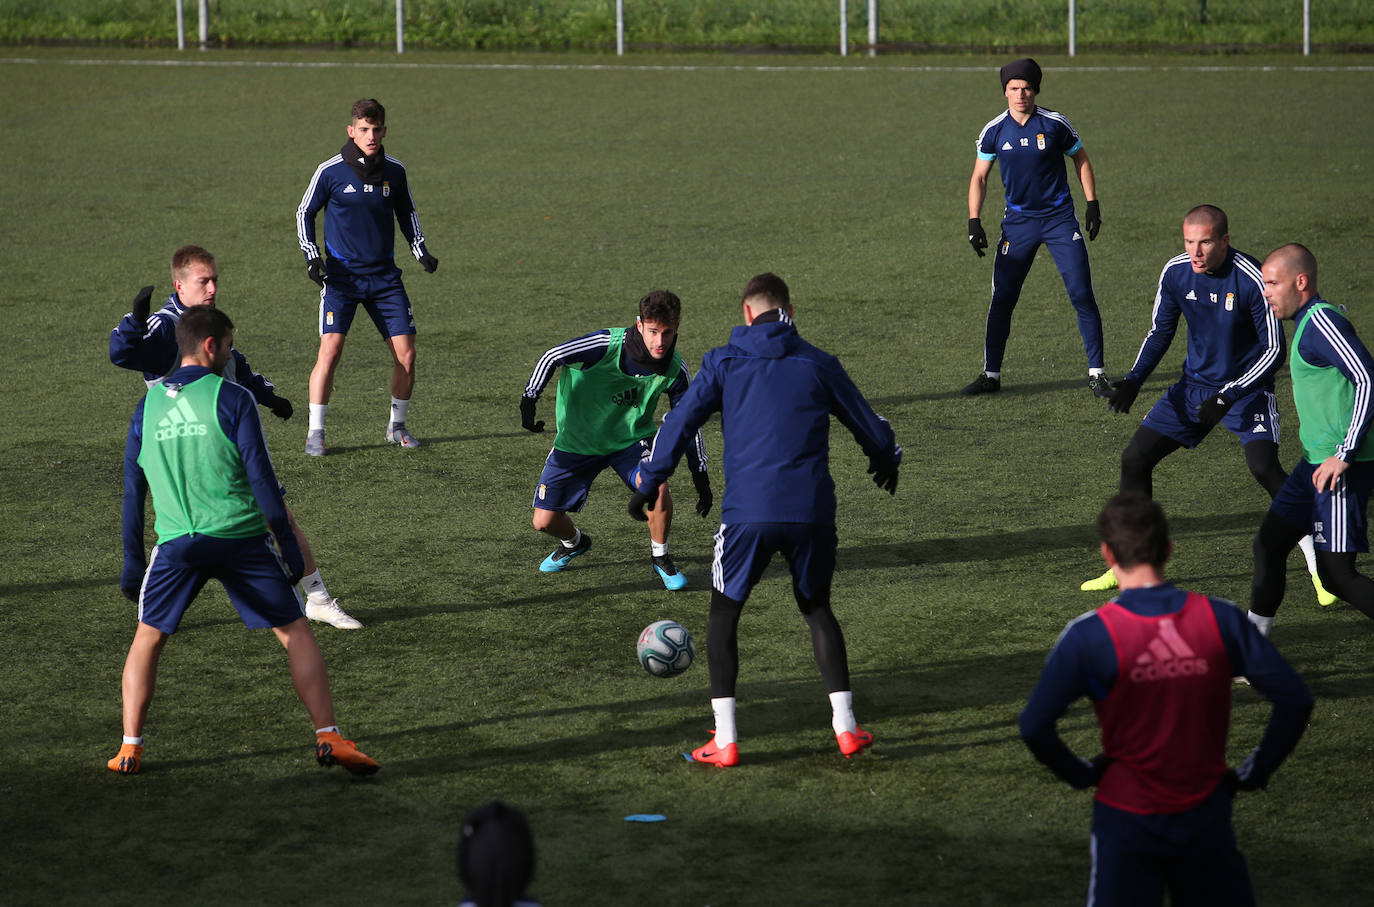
400,27
204,24
1073,29
872,28
844,28
181,24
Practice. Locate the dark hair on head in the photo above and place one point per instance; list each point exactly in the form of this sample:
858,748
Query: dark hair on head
769,288
1209,214
661,306
495,854
1134,528
199,322
369,109
186,256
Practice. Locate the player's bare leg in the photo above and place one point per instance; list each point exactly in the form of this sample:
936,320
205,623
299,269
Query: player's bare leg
402,347
571,542
307,670
326,361
140,676
136,691
321,388
660,521
312,686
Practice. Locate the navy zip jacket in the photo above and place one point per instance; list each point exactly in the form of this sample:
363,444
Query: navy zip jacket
153,351
775,393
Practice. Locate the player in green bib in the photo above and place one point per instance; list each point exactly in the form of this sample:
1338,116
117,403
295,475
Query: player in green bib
196,443
1327,493
608,391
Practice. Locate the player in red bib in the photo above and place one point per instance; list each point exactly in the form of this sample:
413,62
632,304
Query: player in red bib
1157,663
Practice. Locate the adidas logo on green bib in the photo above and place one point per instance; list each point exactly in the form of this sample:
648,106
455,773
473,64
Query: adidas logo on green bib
180,422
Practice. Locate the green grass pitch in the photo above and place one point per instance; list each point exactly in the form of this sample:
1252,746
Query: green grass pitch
555,191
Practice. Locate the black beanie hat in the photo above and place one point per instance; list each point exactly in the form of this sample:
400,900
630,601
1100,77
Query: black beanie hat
496,854
1026,69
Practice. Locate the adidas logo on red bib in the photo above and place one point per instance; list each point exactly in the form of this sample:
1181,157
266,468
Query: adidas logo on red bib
1168,656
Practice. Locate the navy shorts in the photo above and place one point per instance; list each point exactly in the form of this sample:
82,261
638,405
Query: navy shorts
743,550
251,571
1254,417
567,477
1192,855
382,295
1336,518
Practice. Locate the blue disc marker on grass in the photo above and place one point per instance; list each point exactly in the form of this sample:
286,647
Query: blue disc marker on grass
646,817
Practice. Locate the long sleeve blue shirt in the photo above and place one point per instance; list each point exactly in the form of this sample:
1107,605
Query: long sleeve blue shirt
775,393
1235,342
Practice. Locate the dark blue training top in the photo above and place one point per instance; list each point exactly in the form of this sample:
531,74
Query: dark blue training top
1235,342
1031,160
359,217
775,393
153,351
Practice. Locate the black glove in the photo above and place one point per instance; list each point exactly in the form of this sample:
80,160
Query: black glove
131,578
280,407
429,263
976,237
1092,219
704,497
1123,395
314,269
884,475
140,310
527,416
1234,782
643,498
1211,411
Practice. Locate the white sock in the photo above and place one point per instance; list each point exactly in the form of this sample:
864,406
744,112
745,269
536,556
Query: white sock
332,729
399,408
1309,551
725,720
842,712
659,548
1096,372
314,587
572,542
1261,623
317,411
997,375
136,741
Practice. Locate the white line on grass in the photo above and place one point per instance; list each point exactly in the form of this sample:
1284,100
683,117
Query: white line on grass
642,67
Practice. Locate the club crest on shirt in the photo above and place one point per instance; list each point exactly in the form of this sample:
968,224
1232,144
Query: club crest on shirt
386,189
1040,141
1230,302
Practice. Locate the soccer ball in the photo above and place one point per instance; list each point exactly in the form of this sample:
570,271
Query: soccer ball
666,648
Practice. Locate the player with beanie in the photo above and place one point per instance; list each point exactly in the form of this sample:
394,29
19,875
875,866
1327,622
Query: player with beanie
1029,143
